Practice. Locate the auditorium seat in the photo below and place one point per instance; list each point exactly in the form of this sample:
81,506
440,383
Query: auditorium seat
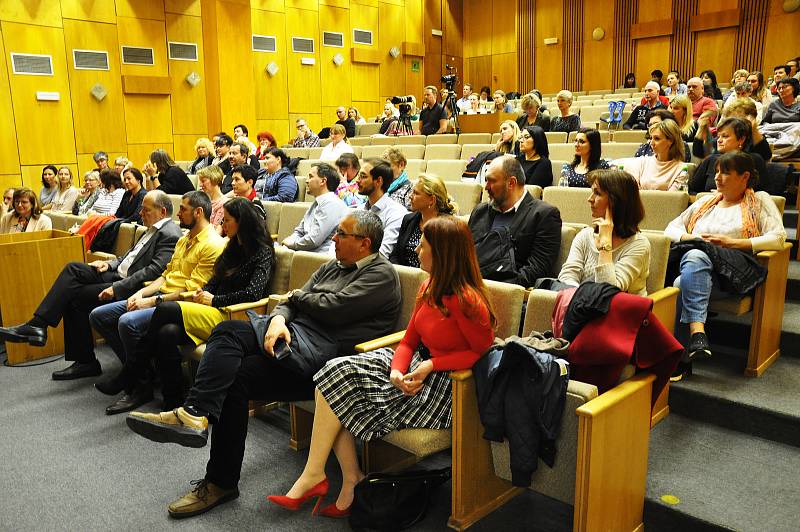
442,151
304,166
412,151
360,141
474,138
273,209
314,153
370,128
619,150
301,186
469,151
534,190
295,152
402,140
557,167
414,167
176,204
562,151
445,138
449,170
467,195
631,135
605,136
557,137
357,150
376,150
291,215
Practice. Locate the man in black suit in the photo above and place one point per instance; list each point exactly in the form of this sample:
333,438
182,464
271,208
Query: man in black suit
534,226
81,287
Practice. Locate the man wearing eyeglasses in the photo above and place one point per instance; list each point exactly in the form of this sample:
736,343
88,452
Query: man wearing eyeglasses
349,300
305,137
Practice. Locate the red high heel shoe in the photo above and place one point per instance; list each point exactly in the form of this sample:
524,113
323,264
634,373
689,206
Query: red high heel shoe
319,491
332,511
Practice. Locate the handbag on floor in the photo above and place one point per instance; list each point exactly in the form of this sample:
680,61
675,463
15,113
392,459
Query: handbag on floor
394,501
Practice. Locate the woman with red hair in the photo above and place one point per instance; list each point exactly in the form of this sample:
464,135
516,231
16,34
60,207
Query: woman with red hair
367,396
265,142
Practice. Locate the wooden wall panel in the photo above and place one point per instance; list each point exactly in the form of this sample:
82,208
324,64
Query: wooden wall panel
597,71
44,129
478,71
140,153
526,39
314,121
749,48
148,34
188,103
183,7
477,33
651,54
504,28
366,77
432,10
40,12
573,44
10,181
91,10
782,37
269,5
304,80
714,51
549,64
391,34
141,9
9,162
282,130
624,59
683,39
148,119
97,124
504,72
272,92
184,146
335,81
452,26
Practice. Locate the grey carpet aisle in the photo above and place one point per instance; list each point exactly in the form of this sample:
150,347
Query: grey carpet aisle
68,466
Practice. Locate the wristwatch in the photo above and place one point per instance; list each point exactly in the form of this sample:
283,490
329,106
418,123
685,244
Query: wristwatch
159,299
606,247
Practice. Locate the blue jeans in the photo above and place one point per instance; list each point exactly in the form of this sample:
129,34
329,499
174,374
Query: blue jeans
121,329
698,286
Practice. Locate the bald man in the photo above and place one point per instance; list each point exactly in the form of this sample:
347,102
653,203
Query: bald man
638,118
700,103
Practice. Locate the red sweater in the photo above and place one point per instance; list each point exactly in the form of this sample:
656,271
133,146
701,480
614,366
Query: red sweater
455,341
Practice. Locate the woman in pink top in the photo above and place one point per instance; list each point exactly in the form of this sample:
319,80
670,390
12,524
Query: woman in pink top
367,396
666,169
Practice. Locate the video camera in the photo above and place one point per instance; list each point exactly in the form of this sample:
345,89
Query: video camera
450,79
403,104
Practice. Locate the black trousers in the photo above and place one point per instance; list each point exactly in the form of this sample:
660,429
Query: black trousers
233,371
71,298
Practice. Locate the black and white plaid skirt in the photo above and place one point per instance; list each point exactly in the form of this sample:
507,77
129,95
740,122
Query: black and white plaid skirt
361,395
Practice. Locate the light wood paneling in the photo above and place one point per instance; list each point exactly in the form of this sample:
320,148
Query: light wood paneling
236,83
369,109
159,85
504,72
651,54
452,26
44,129
188,103
9,181
97,124
329,115
148,119
86,164
335,3
549,58
89,10
391,34
714,51
9,162
477,33
184,146
183,7
597,53
478,71
140,153
268,5
40,12
650,11
141,9
683,39
573,45
272,93
432,20
335,81
32,175
782,37
749,48
282,130
148,34
310,5
304,80
504,31
526,37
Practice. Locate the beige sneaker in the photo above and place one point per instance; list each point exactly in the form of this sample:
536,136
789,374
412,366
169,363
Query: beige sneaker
201,499
177,426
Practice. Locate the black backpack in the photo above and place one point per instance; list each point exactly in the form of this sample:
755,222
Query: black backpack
496,255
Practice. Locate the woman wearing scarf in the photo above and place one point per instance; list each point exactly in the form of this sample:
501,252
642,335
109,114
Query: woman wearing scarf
734,217
400,189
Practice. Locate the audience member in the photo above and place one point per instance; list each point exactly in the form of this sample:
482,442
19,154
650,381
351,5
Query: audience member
666,168
88,194
534,225
638,117
349,166
238,155
305,137
369,395
733,134
400,189
338,144
388,119
241,274
429,199
657,76
165,175
124,323
130,206
532,113
49,186
475,106
222,146
265,142
8,201
349,300
793,65
779,73
110,195
659,115
485,92
534,156
204,149
612,250
354,115
315,231
501,103
674,85
700,103
761,92
26,217
240,133
786,108
739,76
121,164
509,138
277,183
630,81
66,194
710,80
373,180
243,180
80,287
209,180
567,121
101,160
348,124
745,109
587,158
681,108
742,90
463,102
433,117
734,218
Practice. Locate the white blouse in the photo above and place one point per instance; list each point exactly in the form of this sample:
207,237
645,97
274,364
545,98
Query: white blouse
108,203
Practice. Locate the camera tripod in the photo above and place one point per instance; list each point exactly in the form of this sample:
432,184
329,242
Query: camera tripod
403,125
450,105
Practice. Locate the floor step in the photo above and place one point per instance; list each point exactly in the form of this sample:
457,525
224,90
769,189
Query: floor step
718,393
734,331
721,478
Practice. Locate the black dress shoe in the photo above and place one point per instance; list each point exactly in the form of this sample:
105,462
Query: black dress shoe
112,385
36,336
78,370
131,401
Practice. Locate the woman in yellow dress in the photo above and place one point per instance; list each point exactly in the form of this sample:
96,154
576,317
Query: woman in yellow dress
241,274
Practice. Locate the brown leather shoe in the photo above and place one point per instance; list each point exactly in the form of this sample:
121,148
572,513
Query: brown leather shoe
177,426
201,499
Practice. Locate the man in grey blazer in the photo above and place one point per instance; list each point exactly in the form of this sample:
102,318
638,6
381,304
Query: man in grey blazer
80,287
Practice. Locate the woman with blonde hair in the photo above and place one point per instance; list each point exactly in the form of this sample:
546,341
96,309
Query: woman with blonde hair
567,121
501,104
353,113
740,76
400,189
66,194
761,92
666,169
205,155
429,199
532,113
338,144
509,137
26,215
209,179
681,107
88,194
368,395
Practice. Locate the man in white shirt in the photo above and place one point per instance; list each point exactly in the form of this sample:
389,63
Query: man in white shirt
463,103
315,231
80,288
374,179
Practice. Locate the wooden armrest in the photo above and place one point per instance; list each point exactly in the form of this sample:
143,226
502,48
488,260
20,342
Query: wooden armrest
385,341
616,395
461,375
239,307
274,237
765,257
665,302
664,293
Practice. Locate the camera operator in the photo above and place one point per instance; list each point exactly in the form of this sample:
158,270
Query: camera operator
433,118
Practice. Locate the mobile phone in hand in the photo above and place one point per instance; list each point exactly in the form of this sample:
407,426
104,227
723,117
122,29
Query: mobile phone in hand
281,349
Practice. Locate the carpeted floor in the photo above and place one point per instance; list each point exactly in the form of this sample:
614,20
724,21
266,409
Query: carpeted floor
68,466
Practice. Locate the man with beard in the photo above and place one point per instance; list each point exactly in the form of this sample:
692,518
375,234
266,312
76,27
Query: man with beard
374,179
124,323
534,226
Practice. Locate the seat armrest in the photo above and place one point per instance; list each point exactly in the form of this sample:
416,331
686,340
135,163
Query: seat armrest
384,341
461,375
664,304
241,307
99,255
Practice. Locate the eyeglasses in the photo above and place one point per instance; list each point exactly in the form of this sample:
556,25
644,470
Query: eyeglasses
342,234
525,137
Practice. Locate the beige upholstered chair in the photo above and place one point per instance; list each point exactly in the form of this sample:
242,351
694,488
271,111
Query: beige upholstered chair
467,195
631,135
557,166
314,153
301,186
412,151
592,114
442,151
124,242
291,215
370,128
562,151
555,137
376,150
297,152
360,141
403,140
414,167
534,190
475,138
304,167
184,165
382,141
273,209
448,170
468,151
618,150
446,138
